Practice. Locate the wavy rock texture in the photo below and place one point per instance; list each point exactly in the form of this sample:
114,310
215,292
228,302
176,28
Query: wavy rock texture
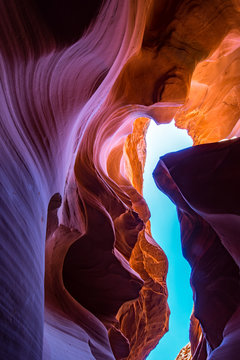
212,108
185,353
75,232
144,321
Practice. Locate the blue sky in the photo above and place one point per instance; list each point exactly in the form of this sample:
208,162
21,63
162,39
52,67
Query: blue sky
162,139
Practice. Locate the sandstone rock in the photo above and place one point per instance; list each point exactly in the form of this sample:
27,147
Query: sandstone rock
74,79
212,108
207,200
185,353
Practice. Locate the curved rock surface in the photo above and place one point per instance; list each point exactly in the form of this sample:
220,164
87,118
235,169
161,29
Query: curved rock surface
80,274
207,203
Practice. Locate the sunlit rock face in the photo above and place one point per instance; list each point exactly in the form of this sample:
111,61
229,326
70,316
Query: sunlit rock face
212,108
185,353
80,274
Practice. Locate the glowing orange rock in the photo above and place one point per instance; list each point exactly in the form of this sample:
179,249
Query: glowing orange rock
147,317
73,81
185,353
212,108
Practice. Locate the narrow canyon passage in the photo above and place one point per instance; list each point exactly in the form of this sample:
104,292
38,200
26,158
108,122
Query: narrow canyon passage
77,90
165,229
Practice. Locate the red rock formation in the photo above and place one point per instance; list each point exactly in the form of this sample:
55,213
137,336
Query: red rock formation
185,353
73,80
144,321
212,108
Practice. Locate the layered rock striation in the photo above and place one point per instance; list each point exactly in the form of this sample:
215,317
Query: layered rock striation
80,274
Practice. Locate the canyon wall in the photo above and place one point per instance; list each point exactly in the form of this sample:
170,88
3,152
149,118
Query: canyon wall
206,201
80,274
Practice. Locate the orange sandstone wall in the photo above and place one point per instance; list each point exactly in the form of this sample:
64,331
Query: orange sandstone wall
81,276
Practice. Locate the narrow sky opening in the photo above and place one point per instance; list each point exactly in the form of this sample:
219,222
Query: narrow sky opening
162,139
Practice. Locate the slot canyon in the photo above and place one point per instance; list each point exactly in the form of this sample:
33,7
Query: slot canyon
81,276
